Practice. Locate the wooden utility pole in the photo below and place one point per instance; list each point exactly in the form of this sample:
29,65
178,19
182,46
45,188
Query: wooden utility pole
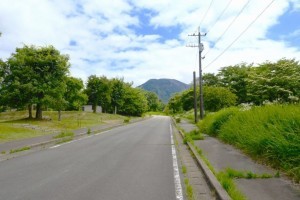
195,97
200,48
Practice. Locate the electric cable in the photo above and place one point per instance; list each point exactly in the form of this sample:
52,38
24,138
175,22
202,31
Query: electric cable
206,12
232,22
219,17
255,19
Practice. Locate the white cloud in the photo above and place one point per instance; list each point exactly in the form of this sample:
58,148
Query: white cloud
107,42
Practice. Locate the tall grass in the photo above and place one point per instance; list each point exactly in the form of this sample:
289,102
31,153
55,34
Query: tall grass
213,122
269,133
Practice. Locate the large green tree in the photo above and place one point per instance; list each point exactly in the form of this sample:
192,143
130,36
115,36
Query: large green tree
210,79
275,81
135,102
74,94
34,75
216,98
234,78
154,104
175,104
99,92
117,93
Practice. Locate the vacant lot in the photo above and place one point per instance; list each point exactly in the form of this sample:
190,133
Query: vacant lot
15,125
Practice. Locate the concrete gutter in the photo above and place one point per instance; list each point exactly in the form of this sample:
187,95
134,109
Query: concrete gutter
212,180
215,184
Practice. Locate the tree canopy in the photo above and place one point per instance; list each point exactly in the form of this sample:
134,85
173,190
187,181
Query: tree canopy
266,82
245,83
34,75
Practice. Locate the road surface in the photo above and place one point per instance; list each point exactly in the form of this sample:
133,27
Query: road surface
131,162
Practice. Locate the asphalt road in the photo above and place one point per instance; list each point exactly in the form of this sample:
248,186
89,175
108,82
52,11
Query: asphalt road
131,162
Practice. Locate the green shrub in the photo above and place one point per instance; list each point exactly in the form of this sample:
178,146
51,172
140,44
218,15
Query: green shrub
196,135
89,131
178,119
64,134
213,122
19,150
271,133
127,120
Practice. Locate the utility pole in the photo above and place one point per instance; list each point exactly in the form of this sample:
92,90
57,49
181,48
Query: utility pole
195,97
200,48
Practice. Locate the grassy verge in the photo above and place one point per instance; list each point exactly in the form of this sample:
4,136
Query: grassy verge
126,120
19,150
189,190
64,137
64,140
193,135
156,113
269,133
15,125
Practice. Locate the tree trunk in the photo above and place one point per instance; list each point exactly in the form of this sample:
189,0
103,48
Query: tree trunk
59,115
115,111
30,111
39,114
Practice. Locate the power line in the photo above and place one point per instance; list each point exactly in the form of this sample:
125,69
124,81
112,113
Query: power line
243,8
206,12
219,17
255,19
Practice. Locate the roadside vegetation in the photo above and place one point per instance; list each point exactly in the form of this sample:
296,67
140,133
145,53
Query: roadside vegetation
19,150
269,133
253,107
35,83
14,125
37,79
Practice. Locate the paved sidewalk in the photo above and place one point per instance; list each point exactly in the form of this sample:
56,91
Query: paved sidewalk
222,156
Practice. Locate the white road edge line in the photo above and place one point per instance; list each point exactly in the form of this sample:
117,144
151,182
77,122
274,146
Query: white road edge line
178,188
53,147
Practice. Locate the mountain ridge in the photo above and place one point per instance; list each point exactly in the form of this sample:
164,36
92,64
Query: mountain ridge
164,87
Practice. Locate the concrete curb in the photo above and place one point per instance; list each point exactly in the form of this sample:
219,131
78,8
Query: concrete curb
214,183
220,191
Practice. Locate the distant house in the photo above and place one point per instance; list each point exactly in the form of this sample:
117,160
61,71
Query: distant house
89,108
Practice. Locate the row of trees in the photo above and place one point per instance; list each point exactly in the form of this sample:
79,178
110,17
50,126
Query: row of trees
40,76
245,83
215,98
270,81
115,95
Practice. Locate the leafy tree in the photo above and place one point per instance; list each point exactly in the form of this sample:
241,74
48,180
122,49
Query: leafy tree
74,94
187,99
34,75
135,102
234,78
99,90
154,104
216,98
2,68
117,93
275,82
175,104
210,79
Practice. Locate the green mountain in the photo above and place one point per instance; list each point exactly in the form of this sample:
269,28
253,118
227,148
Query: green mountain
164,88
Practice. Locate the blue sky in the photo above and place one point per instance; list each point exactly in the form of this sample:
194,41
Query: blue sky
142,39
288,27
